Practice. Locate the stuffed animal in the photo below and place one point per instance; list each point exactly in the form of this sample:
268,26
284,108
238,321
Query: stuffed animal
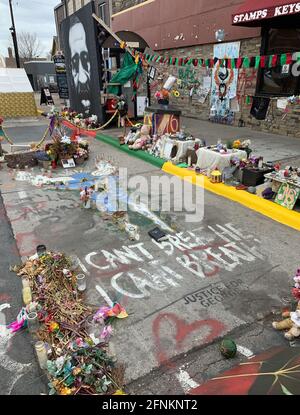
141,142
291,322
132,136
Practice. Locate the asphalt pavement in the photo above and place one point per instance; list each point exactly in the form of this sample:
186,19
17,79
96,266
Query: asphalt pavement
19,371
227,274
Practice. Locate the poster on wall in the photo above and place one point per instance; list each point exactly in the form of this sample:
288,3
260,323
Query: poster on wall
61,76
83,61
224,83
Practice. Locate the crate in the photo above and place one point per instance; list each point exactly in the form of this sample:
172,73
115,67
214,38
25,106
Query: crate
254,177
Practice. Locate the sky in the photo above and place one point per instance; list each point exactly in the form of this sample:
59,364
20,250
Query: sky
35,16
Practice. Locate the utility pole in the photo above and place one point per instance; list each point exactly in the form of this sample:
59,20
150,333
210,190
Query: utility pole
14,35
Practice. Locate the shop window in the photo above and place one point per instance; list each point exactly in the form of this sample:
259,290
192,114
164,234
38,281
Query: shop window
278,81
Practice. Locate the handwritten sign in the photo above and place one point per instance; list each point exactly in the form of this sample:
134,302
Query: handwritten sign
287,195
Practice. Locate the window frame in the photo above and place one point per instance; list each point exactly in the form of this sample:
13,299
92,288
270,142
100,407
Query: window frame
100,6
259,84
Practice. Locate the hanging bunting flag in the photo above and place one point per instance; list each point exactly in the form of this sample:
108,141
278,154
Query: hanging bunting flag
283,59
252,62
246,62
263,61
256,62
289,58
239,62
274,60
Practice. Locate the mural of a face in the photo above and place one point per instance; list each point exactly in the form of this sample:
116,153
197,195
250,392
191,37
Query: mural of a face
80,63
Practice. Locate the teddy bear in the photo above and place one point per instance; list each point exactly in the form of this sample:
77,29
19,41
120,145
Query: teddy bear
140,143
290,322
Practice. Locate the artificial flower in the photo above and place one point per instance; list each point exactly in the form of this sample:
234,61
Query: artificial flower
53,327
101,314
119,392
66,391
117,311
106,332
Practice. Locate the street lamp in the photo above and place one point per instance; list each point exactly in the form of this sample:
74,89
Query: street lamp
14,35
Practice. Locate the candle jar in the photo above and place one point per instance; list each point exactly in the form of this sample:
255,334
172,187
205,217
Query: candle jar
27,297
81,282
25,282
41,353
74,262
41,250
33,322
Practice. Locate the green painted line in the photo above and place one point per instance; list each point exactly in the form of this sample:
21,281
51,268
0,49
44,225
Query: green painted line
140,154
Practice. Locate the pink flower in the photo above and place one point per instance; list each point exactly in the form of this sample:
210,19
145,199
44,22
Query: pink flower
106,332
101,314
79,342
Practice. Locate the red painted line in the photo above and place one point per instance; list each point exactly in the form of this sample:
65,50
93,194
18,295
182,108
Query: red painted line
79,129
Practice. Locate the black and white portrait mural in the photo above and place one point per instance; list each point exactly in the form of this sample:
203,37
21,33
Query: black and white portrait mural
83,61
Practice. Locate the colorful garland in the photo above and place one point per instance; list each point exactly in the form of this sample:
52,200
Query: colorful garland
264,61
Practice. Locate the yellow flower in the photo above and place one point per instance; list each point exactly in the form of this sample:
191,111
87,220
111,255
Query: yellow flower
66,391
53,327
119,392
76,371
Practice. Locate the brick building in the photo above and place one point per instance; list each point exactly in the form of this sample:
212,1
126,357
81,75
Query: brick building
255,27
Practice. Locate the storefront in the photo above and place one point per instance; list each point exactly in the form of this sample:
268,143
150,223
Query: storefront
280,34
251,29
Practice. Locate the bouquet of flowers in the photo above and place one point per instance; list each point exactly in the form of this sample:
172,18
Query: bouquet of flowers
162,96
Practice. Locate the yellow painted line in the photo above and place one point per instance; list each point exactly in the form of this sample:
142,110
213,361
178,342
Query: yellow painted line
265,207
145,3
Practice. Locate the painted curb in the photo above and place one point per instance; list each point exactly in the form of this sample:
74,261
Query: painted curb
264,207
140,154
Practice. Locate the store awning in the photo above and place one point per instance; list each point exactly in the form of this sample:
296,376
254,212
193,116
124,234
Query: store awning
255,12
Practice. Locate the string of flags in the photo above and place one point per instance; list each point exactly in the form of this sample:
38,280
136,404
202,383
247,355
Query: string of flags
263,61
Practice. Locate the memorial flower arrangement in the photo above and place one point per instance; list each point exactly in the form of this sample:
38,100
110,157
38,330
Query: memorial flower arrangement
162,96
89,123
77,364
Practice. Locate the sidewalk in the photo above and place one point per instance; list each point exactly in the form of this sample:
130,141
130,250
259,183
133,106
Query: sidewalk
272,147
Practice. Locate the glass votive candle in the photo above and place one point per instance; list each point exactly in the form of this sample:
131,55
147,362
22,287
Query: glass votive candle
41,353
27,296
25,282
81,282
41,250
74,262
33,322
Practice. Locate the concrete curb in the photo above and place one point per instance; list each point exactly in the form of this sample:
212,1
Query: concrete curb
265,207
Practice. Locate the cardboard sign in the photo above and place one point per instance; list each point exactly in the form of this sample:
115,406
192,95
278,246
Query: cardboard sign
46,97
152,73
287,195
68,163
